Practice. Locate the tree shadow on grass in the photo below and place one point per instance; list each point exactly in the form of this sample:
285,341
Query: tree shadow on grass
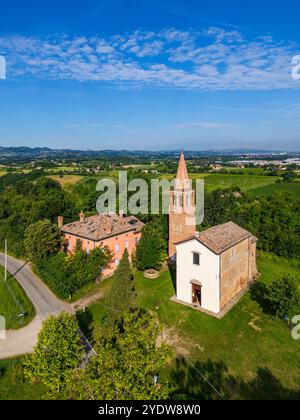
265,386
189,383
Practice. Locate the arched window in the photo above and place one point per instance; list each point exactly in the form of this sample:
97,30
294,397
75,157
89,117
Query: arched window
180,200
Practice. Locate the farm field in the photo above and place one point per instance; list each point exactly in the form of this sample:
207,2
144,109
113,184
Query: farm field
247,354
245,182
66,180
13,302
293,189
62,168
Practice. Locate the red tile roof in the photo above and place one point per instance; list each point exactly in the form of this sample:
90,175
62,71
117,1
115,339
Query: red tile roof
101,226
222,237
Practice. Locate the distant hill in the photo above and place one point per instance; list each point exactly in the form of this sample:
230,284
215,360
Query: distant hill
27,153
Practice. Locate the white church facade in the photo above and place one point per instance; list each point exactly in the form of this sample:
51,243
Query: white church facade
213,267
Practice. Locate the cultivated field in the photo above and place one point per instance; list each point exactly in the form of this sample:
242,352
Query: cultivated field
293,189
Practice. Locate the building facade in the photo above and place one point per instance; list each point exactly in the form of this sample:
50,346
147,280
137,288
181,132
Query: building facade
214,267
116,232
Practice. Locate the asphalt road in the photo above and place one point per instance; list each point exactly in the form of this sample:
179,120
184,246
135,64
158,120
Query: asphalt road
22,341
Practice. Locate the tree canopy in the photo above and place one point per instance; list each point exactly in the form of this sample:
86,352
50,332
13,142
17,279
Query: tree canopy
126,366
42,239
57,353
150,249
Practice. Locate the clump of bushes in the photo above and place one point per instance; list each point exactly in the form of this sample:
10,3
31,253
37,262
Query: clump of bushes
65,274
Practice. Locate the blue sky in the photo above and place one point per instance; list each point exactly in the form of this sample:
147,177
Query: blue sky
150,74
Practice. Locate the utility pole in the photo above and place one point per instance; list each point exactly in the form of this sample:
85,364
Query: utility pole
5,275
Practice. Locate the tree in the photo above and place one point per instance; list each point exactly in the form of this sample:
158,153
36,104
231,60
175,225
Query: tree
283,297
220,205
150,247
121,298
58,351
125,367
42,239
65,274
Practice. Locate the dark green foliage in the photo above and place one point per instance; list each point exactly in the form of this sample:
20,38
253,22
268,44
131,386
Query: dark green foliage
282,297
58,351
149,252
65,274
27,203
273,219
220,206
121,298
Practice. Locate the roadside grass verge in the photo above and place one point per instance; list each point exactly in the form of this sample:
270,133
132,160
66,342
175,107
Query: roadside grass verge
14,304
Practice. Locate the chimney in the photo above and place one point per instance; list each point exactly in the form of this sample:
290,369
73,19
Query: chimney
60,222
82,217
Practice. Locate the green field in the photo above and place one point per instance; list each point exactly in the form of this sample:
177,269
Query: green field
66,180
62,168
13,303
247,348
293,189
244,182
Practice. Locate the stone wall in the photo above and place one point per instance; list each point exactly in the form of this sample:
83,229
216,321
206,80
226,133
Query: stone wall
235,271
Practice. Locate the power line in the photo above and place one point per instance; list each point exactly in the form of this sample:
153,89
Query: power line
206,380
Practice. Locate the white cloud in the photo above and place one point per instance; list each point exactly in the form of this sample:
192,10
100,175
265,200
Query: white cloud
213,59
206,125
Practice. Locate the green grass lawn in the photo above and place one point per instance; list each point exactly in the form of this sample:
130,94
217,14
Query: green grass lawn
13,302
293,189
247,347
13,385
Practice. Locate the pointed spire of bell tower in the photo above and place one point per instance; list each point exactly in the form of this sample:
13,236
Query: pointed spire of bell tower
182,207
182,173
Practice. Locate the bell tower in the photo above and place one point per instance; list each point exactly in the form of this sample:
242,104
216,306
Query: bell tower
182,211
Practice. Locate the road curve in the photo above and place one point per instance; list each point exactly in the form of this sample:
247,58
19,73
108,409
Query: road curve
22,341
